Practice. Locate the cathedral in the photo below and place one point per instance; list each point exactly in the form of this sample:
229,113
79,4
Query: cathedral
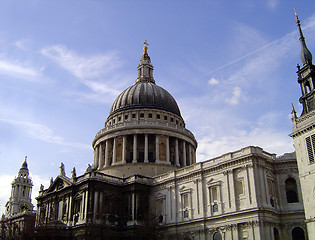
144,181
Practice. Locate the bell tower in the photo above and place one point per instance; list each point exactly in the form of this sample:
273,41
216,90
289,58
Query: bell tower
306,74
20,200
303,132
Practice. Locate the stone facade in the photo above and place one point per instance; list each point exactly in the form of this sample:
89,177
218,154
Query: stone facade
144,182
304,133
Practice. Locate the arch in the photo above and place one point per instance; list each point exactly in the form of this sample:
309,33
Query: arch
217,236
291,190
298,234
276,235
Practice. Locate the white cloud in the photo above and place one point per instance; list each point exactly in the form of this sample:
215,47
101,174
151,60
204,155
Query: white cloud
83,67
213,81
234,100
43,133
19,70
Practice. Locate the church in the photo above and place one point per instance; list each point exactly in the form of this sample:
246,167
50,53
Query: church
144,181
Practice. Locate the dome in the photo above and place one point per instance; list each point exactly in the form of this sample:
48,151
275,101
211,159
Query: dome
145,94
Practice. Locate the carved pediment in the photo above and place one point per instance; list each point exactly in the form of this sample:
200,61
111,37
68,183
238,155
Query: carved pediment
59,183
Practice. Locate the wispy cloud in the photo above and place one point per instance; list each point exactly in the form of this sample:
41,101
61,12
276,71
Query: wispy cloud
83,67
19,70
236,94
272,4
42,133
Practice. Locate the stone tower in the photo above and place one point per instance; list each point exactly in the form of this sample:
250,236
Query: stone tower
304,132
20,200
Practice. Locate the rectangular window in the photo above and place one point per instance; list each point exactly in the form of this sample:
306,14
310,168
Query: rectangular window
185,201
165,118
150,115
158,116
119,119
126,117
239,187
141,115
214,194
133,115
310,148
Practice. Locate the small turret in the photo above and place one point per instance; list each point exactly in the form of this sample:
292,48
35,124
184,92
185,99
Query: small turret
145,68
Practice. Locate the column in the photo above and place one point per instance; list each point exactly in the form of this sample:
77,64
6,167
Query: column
176,153
157,153
100,156
96,156
106,153
184,154
86,204
133,200
114,152
95,205
189,155
167,150
146,148
124,149
134,148
100,212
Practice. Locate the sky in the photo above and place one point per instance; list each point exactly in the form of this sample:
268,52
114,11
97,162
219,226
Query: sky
230,65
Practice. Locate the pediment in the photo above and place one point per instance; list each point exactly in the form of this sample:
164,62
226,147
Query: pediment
59,183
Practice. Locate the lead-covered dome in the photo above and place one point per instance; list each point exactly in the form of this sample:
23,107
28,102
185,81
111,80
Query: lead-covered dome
145,94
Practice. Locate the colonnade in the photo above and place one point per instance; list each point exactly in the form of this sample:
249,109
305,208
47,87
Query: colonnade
145,148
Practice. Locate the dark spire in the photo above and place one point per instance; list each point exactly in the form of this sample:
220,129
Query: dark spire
23,172
306,56
145,68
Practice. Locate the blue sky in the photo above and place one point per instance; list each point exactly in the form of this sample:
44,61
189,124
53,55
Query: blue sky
230,66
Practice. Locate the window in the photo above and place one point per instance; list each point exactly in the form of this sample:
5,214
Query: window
165,118
239,186
126,117
113,120
176,122
150,115
141,115
119,119
276,235
298,233
172,119
158,116
133,115
310,143
185,205
217,236
291,190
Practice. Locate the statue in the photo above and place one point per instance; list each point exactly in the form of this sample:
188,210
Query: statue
89,168
41,188
51,180
74,174
62,170
145,48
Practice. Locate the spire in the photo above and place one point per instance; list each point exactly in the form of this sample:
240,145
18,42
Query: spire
306,56
145,68
23,172
293,112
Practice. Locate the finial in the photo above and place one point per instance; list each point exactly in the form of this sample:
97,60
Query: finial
25,158
293,112
145,48
296,16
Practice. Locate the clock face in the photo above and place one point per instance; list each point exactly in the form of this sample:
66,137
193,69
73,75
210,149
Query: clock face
23,207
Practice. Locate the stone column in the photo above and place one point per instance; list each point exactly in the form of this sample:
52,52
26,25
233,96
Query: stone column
157,153
124,152
106,153
135,148
168,150
100,156
133,201
146,148
86,204
176,153
96,156
189,155
114,152
100,211
95,205
184,154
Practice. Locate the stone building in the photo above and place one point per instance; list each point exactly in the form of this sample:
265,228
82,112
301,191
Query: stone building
303,133
19,219
144,182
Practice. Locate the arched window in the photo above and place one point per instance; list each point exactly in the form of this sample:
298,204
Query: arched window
298,234
217,236
291,190
276,234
